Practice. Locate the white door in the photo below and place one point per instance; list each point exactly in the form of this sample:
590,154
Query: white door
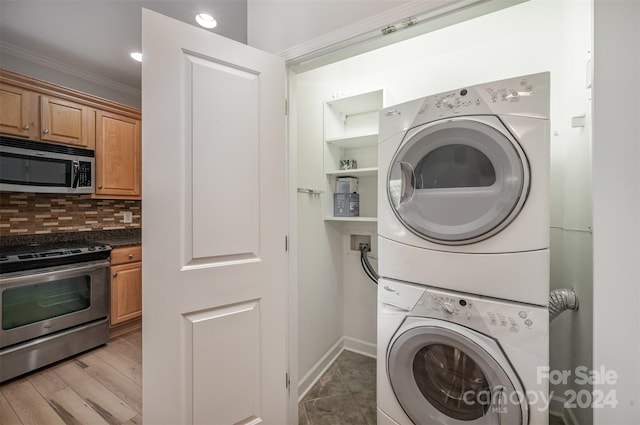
215,220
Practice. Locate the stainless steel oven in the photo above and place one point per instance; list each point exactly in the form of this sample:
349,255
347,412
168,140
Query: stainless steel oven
55,303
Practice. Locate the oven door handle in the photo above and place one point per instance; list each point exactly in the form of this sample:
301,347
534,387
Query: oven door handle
50,273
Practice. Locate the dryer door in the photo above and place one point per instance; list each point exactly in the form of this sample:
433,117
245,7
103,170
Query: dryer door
458,181
441,376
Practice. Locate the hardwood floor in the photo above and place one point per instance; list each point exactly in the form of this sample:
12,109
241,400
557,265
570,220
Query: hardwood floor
102,386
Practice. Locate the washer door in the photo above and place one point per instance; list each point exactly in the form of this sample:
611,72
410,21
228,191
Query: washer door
441,376
458,181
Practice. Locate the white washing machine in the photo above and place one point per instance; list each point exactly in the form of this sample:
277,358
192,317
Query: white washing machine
448,358
464,190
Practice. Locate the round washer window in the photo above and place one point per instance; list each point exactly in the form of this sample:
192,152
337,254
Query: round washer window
440,375
451,381
458,181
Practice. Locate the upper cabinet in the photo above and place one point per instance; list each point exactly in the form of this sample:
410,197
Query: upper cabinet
351,150
62,121
26,113
117,156
19,112
39,110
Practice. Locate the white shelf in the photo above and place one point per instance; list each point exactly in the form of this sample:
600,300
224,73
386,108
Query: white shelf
357,104
350,127
355,142
357,172
360,219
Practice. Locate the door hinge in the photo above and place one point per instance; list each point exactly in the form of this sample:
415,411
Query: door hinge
286,107
286,243
287,380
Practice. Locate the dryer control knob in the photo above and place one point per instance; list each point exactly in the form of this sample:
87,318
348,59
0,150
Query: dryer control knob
448,308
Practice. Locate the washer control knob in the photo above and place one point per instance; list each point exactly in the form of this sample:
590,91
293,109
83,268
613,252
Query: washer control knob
448,308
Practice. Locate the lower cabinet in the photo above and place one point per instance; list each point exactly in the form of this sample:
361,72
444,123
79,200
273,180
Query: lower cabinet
126,288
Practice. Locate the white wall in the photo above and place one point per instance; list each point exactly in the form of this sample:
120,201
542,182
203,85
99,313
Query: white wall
504,44
276,25
616,211
69,76
319,247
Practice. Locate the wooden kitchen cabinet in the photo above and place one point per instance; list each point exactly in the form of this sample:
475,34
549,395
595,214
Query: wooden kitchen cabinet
62,121
118,156
26,113
19,112
126,288
38,110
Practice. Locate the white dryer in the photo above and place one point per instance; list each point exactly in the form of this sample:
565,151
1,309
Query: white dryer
448,358
464,190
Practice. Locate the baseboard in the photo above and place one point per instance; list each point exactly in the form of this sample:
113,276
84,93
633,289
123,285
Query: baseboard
125,328
558,408
325,362
360,347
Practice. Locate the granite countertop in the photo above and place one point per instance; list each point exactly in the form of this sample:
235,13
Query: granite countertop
114,238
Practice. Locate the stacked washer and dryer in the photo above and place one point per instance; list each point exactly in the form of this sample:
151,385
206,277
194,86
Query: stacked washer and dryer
464,256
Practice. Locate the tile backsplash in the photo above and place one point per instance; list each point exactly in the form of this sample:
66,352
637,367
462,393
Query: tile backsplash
36,213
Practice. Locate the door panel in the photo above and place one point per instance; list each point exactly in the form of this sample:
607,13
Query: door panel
225,344
227,211
215,220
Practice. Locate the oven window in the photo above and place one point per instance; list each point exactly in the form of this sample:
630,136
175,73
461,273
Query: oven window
451,381
34,303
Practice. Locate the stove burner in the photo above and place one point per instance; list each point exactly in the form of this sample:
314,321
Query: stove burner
29,257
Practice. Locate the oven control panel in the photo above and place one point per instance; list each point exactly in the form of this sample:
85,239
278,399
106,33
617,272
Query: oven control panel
30,257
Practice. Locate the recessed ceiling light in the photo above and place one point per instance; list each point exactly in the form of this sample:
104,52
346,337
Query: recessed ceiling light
136,56
206,20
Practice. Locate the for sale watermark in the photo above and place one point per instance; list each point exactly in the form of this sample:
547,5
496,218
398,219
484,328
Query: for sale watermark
582,375
499,399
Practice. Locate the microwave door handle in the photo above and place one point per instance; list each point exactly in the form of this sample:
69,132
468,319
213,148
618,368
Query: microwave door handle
75,174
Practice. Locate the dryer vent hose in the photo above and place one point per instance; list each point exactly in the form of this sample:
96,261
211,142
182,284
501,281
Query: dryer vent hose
561,300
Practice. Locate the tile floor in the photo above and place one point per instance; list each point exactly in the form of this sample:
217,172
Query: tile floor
346,394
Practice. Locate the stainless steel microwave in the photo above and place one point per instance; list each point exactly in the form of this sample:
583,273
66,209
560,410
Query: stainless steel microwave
29,166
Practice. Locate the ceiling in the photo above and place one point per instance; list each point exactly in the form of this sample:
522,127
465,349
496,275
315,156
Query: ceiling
96,36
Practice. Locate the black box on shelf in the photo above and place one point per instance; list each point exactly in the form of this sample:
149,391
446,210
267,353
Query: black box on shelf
346,205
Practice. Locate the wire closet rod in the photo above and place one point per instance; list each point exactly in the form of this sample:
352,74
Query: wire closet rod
309,191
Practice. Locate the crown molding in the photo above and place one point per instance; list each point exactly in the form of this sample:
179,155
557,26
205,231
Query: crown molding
36,58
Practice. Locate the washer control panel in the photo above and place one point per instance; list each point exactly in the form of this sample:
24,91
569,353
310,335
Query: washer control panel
511,321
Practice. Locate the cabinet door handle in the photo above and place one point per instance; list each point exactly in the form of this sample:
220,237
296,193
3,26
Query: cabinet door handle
130,256
45,131
26,127
99,186
115,275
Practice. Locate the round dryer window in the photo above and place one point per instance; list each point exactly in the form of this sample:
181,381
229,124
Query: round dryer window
441,376
458,181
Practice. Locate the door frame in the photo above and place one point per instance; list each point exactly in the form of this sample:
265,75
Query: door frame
359,37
